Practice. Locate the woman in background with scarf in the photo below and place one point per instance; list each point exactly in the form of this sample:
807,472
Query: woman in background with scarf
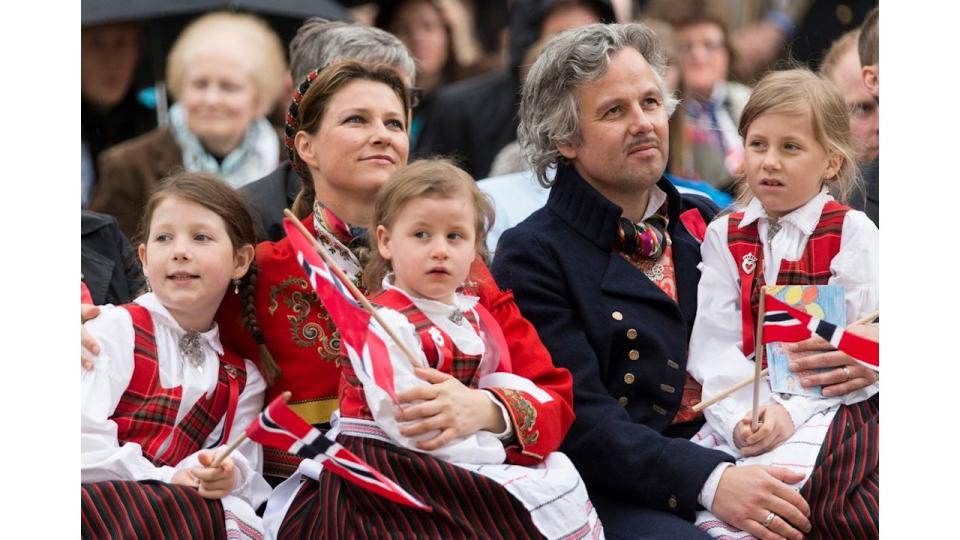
226,71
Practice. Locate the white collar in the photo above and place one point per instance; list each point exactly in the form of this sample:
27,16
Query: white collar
654,202
462,302
804,218
162,314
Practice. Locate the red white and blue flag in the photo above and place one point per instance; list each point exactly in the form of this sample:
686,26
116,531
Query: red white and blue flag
367,352
277,426
782,322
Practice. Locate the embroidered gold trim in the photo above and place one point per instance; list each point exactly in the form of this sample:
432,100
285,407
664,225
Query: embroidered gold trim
522,410
303,332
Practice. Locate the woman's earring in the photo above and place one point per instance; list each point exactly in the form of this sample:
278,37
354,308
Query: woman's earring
236,285
149,288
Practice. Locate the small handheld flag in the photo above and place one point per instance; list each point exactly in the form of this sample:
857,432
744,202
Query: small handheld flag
277,426
782,322
366,350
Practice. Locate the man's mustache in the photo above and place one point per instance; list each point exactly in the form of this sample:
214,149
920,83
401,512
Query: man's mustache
643,141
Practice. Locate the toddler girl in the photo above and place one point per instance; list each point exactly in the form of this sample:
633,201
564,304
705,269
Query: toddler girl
464,439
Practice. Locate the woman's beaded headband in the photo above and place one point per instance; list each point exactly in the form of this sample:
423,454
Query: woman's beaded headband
290,130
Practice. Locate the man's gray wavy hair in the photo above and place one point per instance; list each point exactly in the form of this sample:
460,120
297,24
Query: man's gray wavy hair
319,42
549,109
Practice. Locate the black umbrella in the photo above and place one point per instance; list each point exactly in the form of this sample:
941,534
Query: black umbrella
104,11
162,21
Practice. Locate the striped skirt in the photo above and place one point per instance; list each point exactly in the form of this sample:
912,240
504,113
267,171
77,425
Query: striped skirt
465,505
844,489
148,510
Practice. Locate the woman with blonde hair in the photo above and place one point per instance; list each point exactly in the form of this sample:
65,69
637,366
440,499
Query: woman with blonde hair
225,70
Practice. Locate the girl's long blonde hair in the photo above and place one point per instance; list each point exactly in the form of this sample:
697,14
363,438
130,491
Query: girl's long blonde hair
803,92
433,178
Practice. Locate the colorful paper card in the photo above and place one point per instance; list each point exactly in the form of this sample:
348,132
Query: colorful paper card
822,301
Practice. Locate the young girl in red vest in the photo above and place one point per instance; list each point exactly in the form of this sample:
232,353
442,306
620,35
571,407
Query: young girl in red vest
790,231
164,394
471,444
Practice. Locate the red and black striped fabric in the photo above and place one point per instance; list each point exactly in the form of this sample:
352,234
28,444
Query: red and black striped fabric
844,489
147,412
813,267
465,504
148,510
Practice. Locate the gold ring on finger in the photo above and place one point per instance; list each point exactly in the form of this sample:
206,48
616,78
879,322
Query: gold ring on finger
768,520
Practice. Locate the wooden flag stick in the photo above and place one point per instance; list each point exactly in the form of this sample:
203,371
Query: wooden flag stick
866,320
353,288
726,393
758,363
227,450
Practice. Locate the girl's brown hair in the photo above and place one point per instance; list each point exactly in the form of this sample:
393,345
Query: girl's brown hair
311,108
214,195
801,91
432,178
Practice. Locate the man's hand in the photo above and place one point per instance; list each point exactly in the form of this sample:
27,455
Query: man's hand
837,381
747,494
775,427
87,343
447,405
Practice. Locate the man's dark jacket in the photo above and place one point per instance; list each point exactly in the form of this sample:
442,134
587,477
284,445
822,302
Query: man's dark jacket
108,264
624,340
269,196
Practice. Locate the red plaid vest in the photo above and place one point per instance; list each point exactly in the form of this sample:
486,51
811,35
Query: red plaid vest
442,354
813,267
147,412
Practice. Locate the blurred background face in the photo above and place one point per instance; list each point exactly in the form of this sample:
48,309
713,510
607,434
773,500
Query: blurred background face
418,24
220,100
108,58
864,112
704,57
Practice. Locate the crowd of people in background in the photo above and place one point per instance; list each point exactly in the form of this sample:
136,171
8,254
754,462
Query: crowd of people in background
564,206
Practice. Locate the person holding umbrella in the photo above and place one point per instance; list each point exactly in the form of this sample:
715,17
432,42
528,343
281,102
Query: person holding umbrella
226,70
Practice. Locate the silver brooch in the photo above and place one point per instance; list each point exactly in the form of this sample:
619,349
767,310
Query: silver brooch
191,347
456,317
655,272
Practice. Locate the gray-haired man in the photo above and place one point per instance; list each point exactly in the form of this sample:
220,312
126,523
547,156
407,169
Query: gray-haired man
607,272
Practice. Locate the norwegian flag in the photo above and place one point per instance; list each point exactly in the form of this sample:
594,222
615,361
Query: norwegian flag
782,322
367,351
281,428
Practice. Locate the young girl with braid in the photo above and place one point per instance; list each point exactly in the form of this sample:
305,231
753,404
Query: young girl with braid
790,231
164,393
